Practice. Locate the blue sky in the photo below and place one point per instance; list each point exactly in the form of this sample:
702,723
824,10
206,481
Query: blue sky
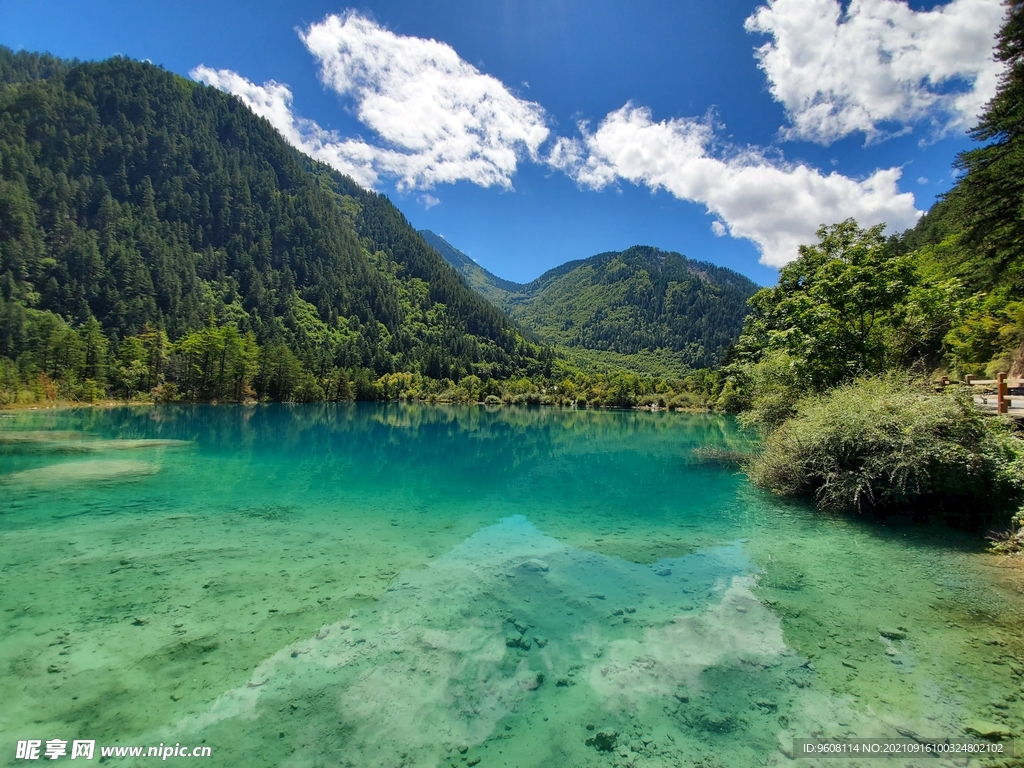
531,133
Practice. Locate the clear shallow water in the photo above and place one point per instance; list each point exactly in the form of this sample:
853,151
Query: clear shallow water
424,586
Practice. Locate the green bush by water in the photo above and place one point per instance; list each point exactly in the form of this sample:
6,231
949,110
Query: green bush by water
884,445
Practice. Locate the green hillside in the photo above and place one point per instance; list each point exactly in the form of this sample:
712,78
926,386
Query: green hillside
496,290
155,233
644,306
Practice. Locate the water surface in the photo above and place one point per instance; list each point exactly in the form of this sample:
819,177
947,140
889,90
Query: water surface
403,585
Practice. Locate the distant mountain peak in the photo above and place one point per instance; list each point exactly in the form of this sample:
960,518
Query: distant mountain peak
637,300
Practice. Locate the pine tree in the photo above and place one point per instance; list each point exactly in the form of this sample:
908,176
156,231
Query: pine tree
989,199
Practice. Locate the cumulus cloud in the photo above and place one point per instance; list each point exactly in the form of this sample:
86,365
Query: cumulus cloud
880,66
442,119
437,119
432,119
777,205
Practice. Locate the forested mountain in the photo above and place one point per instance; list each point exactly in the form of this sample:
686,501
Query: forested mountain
156,233
638,300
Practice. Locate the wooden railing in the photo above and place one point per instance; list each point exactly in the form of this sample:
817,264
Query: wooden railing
1002,386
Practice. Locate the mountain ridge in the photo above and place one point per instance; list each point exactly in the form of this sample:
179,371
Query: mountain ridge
482,280
639,300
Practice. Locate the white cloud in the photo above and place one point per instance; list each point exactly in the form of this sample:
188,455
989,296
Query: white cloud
778,206
880,66
274,102
441,119
436,119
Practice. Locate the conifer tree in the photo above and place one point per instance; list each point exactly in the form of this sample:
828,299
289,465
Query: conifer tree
989,199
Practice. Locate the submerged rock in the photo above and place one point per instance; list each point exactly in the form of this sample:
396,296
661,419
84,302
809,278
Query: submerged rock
715,722
529,680
603,741
80,472
987,730
518,641
897,633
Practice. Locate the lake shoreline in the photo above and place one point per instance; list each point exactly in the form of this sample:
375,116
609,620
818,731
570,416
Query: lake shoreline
70,404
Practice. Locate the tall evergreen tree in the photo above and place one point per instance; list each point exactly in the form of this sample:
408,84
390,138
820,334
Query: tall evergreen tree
989,198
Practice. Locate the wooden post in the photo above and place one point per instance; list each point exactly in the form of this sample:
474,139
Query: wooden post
1002,403
967,379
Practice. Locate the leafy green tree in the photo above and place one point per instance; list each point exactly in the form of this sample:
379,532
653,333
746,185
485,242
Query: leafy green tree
847,306
338,389
279,374
95,347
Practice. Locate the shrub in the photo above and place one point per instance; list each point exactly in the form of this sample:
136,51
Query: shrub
91,391
529,398
687,401
308,389
730,399
166,393
883,445
774,389
648,401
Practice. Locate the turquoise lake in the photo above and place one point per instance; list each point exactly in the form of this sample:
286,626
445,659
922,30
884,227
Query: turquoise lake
406,585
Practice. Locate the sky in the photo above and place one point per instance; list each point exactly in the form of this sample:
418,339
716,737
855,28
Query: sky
532,132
